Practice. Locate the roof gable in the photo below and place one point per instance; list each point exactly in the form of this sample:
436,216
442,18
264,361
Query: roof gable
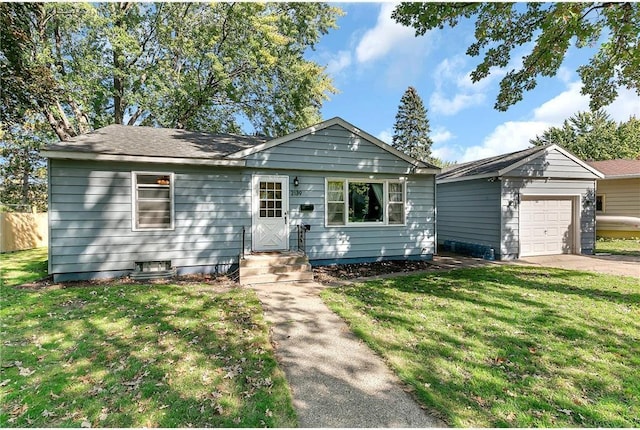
513,163
420,166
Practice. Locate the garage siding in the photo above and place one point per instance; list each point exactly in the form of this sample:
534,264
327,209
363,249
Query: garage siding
469,212
514,188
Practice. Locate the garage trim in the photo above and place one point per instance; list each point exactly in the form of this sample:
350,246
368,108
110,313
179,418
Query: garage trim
576,204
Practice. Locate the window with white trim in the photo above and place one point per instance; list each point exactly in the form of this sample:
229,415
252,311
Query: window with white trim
152,201
363,202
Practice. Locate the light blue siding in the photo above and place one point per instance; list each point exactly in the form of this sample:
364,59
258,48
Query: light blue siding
469,212
90,218
342,243
333,149
552,165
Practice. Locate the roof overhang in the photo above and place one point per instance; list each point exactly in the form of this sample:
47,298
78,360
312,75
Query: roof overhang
628,176
69,155
468,178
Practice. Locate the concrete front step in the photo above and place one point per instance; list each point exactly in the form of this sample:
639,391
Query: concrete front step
275,267
274,270
276,277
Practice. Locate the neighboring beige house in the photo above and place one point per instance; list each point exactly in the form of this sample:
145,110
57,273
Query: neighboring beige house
618,198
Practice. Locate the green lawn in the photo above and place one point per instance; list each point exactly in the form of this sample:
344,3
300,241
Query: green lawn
618,246
137,356
507,346
16,268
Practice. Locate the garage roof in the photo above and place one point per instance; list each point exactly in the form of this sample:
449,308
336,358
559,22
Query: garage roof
500,165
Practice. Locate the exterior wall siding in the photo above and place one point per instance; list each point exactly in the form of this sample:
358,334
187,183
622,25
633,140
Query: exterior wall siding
468,212
622,196
325,244
552,165
333,149
514,188
91,219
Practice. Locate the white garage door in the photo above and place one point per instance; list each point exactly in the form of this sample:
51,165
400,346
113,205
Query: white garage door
546,226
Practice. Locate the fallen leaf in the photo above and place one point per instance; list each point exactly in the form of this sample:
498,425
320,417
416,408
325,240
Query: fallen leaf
565,411
25,371
5,382
85,424
48,414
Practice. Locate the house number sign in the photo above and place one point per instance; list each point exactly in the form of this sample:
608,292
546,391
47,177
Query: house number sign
296,193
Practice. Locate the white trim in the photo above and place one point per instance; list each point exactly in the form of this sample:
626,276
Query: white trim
90,156
134,200
418,165
627,176
385,191
255,207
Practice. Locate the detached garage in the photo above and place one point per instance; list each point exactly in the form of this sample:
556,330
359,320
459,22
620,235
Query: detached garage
539,201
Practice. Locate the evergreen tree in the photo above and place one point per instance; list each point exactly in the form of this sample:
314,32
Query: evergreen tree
411,130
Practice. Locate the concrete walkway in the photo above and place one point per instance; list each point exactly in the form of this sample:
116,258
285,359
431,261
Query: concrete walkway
610,264
337,381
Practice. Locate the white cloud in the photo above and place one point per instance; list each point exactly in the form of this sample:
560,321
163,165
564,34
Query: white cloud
386,136
627,104
450,106
515,135
563,105
337,63
441,135
385,36
508,137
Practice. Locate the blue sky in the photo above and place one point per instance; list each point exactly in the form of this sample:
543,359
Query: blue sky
373,60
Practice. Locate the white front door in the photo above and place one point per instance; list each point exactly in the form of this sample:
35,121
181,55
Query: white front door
270,213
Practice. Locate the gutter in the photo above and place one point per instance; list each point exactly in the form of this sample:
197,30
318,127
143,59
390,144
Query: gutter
67,155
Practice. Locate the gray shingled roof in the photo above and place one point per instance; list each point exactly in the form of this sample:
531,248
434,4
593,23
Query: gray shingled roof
157,142
488,166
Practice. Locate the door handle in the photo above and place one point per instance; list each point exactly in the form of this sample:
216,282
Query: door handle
285,218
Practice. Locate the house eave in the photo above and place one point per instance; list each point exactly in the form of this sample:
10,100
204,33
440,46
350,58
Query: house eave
468,178
69,155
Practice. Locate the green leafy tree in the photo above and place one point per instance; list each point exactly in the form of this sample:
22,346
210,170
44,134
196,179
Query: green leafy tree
205,66
23,183
411,130
501,28
595,136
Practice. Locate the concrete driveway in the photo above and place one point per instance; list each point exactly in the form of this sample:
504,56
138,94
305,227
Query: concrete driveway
609,264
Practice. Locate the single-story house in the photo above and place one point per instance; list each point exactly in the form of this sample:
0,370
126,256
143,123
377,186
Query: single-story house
125,199
539,201
618,198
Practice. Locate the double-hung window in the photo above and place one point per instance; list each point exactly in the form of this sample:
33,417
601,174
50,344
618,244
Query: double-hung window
153,205
364,202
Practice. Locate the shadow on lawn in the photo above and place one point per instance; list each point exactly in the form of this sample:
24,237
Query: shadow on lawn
155,356
508,346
